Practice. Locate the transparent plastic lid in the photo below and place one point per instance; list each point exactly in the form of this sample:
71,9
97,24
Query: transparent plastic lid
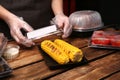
86,20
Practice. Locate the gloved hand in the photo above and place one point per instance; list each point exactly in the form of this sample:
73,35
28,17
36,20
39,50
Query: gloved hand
15,25
63,22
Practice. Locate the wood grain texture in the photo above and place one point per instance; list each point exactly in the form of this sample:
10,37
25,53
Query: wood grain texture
39,71
115,76
26,56
31,55
94,70
30,65
33,72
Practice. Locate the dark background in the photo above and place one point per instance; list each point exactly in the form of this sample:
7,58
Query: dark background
109,9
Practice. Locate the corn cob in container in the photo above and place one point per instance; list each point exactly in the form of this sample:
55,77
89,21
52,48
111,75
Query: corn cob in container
74,53
55,52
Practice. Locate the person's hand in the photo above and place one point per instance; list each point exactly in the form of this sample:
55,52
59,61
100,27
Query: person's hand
15,25
62,22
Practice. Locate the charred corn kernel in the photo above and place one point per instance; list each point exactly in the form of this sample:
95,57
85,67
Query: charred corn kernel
74,53
55,52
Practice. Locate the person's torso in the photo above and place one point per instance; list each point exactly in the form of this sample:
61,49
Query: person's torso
37,13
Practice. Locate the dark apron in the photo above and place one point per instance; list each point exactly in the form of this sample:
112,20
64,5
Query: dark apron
37,13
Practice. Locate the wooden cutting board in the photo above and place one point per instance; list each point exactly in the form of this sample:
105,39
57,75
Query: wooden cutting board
26,56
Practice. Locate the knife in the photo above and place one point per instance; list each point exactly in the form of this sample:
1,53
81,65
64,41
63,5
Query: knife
43,32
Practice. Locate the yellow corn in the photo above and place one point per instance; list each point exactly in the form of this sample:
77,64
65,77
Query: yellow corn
74,53
55,52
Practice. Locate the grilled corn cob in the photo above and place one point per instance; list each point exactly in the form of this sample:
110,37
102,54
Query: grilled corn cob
55,52
74,53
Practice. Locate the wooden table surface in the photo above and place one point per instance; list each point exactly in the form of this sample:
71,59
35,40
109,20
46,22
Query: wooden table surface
102,64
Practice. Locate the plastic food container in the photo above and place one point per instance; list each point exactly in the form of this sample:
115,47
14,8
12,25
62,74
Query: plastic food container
3,43
5,70
86,20
108,38
11,51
